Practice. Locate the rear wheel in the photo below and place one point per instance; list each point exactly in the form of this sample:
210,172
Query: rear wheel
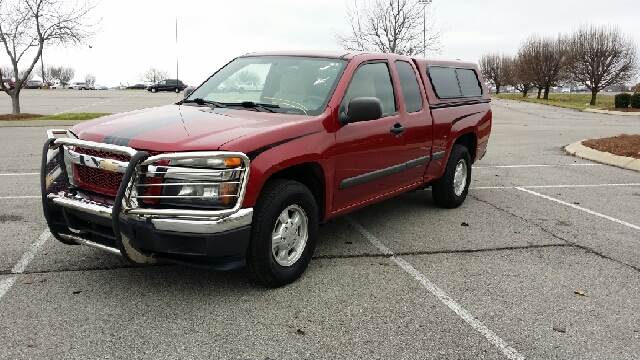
177,90
451,189
154,90
283,234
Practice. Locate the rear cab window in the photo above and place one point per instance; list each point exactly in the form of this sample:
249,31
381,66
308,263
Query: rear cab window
454,83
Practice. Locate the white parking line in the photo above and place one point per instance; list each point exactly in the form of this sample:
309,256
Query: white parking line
20,197
621,222
22,264
476,324
84,106
532,166
18,174
552,186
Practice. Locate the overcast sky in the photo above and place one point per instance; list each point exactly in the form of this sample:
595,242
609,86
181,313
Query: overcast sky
134,35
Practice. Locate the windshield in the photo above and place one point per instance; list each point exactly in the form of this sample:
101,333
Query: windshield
290,84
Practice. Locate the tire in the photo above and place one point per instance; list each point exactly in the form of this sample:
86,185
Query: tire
177,91
153,90
448,192
279,197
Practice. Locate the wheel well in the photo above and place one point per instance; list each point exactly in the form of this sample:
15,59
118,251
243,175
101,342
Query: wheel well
470,141
309,174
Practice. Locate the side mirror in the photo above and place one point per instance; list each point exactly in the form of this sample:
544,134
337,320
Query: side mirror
188,90
362,109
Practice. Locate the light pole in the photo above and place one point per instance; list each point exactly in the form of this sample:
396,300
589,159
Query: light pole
424,25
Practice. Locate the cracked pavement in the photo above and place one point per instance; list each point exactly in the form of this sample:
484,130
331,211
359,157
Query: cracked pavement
549,279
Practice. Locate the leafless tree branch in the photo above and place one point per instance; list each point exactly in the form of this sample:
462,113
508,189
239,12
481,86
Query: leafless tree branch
29,25
390,26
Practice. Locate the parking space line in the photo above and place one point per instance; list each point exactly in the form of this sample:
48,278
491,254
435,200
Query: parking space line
465,315
532,166
19,174
20,197
84,106
610,218
22,264
552,186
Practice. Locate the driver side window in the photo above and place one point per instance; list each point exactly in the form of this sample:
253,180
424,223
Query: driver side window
372,80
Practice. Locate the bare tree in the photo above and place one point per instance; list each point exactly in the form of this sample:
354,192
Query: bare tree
45,75
6,72
154,75
54,72
496,69
390,26
65,75
26,76
90,79
523,79
27,25
544,61
601,56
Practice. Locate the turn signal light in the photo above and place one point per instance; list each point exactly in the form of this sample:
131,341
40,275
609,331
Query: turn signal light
232,162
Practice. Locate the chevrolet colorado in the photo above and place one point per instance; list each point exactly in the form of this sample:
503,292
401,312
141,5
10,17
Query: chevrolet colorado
227,177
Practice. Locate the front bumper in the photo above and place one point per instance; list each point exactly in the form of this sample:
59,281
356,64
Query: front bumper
214,238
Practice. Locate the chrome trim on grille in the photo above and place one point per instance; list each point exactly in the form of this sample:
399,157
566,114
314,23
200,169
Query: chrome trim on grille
96,162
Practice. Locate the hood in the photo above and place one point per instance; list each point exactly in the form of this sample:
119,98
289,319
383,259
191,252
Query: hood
181,127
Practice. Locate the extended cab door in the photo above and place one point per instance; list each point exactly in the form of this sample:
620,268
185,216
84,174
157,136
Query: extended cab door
377,157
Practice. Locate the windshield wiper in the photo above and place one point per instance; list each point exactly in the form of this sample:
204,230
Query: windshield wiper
201,101
255,105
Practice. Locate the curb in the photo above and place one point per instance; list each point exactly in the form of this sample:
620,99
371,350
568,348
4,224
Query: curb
581,151
612,112
38,123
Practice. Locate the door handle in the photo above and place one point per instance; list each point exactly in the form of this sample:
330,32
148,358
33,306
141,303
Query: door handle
397,129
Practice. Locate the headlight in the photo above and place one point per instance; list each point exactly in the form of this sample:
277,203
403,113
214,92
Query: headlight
202,182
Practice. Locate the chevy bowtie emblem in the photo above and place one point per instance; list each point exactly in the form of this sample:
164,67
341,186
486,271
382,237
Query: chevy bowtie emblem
108,165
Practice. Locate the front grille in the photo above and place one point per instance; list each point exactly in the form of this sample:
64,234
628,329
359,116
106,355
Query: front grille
97,180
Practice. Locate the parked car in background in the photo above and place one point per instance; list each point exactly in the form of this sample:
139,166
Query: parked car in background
101,87
79,86
33,84
136,87
8,83
167,85
228,180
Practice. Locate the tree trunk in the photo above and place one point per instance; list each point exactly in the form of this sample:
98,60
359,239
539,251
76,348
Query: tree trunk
594,93
497,89
539,92
546,93
525,92
15,102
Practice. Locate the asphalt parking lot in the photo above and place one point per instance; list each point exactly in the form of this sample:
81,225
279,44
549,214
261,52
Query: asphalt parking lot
541,262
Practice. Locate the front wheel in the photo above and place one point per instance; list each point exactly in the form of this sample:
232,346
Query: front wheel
177,90
283,234
451,189
153,90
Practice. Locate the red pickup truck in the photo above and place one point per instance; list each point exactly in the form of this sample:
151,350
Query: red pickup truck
238,175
